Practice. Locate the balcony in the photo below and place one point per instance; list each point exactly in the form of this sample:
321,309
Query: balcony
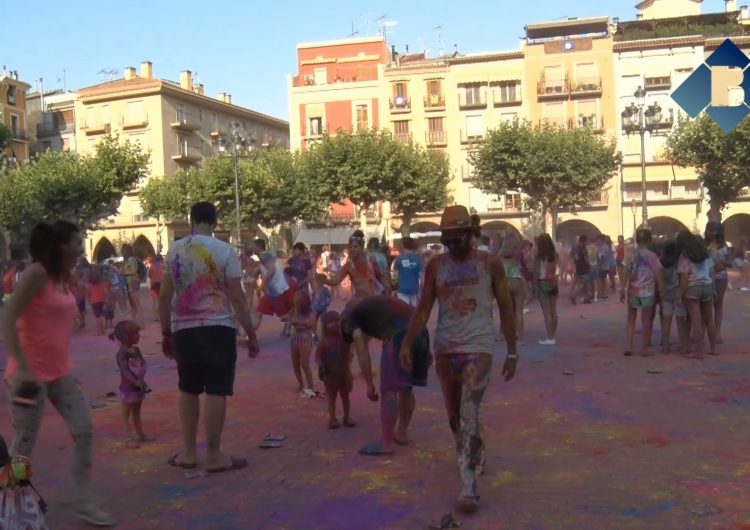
553,88
402,137
468,101
658,83
187,155
400,104
184,122
592,121
500,99
217,132
96,127
434,103
135,122
52,129
586,86
436,138
470,138
560,123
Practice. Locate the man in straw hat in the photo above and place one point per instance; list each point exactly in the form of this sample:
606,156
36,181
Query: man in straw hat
465,281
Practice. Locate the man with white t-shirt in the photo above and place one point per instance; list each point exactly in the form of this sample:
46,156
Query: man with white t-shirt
201,300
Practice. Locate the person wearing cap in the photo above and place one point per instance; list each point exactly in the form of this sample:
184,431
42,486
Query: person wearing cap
465,282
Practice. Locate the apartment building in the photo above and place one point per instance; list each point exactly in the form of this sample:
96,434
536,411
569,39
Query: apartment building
337,86
13,114
179,125
657,52
51,121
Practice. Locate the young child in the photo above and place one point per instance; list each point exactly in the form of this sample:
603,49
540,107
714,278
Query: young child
671,303
278,295
133,388
95,293
333,359
108,309
321,300
302,319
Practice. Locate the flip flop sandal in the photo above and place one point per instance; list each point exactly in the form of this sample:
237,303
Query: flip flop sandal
270,445
237,463
401,441
172,461
333,424
374,449
274,438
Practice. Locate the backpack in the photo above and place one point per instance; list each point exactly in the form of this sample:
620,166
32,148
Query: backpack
142,273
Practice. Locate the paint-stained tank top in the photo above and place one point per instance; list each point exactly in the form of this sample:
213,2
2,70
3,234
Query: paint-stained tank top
464,292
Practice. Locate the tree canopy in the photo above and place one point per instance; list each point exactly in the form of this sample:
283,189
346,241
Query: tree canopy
82,189
553,168
5,136
721,160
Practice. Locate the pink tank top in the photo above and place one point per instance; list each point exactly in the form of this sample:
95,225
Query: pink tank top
44,330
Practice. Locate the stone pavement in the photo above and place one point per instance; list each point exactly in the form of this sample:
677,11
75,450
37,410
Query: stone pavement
583,438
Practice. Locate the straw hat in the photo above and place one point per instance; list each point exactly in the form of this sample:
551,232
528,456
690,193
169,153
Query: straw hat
455,217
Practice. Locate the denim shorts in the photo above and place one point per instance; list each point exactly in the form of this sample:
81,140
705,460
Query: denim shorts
702,293
673,307
641,302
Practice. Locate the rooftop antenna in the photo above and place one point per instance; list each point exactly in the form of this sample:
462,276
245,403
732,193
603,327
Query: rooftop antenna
385,28
381,24
62,80
441,43
110,74
354,32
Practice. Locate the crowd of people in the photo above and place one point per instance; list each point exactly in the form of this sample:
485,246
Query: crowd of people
205,295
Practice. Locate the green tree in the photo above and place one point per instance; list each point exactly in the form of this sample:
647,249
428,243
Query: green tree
721,160
554,168
82,189
5,136
421,185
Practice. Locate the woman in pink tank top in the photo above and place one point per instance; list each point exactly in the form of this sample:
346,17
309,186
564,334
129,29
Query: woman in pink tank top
38,326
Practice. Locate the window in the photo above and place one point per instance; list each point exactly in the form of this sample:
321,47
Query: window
474,126
320,76
433,87
400,96
315,127
554,114
467,172
401,130
14,125
363,122
200,114
512,202
134,114
46,145
507,92
554,79
586,76
472,95
587,115
508,117
11,95
182,145
435,133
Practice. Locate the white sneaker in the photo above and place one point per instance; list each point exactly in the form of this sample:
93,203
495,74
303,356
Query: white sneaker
526,310
307,393
548,342
744,289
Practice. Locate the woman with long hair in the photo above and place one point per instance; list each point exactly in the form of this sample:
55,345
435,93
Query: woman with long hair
545,283
722,256
38,326
133,282
695,268
512,259
671,303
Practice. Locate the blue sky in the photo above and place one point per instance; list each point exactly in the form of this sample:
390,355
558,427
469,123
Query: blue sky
247,48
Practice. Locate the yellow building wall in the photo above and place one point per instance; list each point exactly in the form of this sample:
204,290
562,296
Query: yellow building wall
670,8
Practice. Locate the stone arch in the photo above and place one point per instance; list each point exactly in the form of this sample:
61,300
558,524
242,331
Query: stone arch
665,226
423,227
497,232
568,231
104,249
736,226
142,248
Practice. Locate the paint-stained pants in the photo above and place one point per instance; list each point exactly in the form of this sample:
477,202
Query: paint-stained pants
66,396
463,379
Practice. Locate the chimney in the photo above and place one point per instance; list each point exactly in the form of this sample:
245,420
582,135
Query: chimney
744,14
407,49
639,16
394,53
147,70
228,98
730,5
198,89
222,96
186,80
130,73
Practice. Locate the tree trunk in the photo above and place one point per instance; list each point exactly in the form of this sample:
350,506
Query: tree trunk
406,226
554,214
714,210
363,219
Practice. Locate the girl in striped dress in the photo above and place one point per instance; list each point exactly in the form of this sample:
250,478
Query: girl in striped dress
303,325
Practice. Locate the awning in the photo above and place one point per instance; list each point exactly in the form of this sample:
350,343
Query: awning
417,235
324,236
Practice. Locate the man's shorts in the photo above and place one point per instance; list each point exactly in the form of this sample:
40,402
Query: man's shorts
702,293
97,309
206,357
673,307
392,375
276,305
410,299
642,302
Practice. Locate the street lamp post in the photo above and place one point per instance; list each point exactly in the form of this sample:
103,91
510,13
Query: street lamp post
238,140
639,119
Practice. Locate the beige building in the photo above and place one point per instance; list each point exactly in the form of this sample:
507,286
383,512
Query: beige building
13,114
178,125
51,121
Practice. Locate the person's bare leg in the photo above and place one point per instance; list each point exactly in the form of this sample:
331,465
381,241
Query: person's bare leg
295,353
632,314
363,358
189,413
406,406
216,407
696,327
719,310
389,413
707,309
518,302
553,315
138,423
346,405
331,397
647,322
544,302
304,362
666,332
126,412
682,331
